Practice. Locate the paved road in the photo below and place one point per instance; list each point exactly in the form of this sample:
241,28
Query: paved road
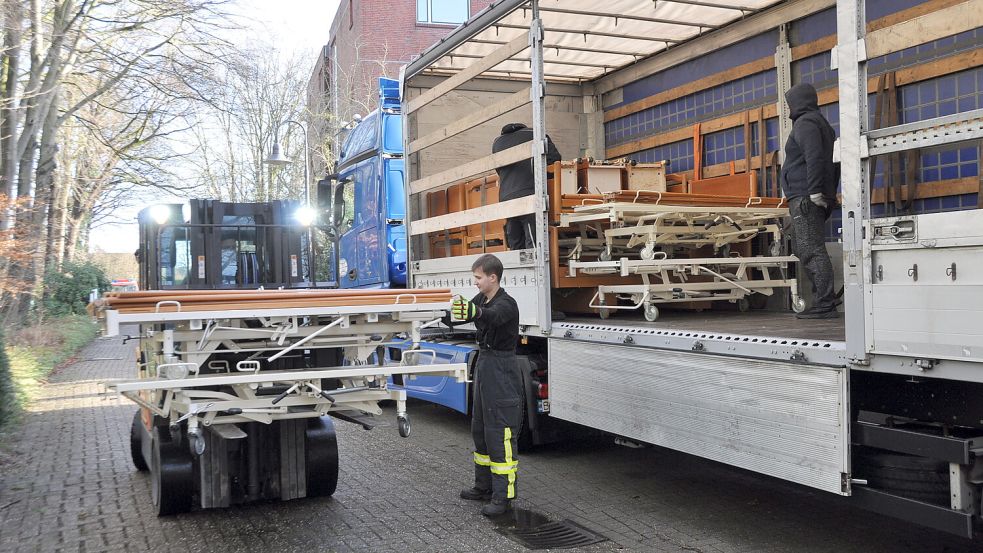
68,485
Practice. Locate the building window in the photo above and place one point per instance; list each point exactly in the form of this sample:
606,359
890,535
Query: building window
452,12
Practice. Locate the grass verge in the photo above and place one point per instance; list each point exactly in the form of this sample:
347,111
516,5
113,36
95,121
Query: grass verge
34,352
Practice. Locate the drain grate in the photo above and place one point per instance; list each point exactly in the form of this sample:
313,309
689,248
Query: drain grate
553,535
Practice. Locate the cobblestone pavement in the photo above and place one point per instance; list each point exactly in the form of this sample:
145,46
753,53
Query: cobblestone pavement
68,485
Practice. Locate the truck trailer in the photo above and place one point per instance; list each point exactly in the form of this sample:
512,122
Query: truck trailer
882,405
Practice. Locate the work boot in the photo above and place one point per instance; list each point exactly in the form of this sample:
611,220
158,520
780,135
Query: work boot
827,313
476,494
496,507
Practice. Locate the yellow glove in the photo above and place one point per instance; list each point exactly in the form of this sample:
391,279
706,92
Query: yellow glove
463,310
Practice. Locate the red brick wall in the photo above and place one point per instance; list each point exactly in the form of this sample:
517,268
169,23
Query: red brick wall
375,38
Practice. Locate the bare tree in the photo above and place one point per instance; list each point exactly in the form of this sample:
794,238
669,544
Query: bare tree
254,94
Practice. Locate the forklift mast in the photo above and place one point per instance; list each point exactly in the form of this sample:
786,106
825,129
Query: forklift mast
231,245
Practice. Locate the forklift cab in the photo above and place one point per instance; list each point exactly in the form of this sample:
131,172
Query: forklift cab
230,245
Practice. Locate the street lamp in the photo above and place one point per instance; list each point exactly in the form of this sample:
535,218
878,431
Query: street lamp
306,214
278,159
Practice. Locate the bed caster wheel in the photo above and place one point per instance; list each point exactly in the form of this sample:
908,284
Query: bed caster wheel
775,249
404,426
604,313
743,305
648,253
723,251
605,255
196,443
651,313
798,305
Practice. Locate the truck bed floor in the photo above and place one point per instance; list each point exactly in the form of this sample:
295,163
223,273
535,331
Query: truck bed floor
779,324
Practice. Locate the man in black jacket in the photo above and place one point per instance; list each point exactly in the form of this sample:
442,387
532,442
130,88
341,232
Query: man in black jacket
496,414
516,180
809,181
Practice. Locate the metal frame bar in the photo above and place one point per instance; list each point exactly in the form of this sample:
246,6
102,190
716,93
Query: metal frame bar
537,36
854,166
616,17
448,369
937,131
816,352
475,215
471,169
515,46
513,102
952,450
923,514
588,32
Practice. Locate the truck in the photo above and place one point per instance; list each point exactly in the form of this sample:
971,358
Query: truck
247,354
363,205
881,406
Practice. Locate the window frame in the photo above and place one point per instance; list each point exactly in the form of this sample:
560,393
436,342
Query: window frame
430,21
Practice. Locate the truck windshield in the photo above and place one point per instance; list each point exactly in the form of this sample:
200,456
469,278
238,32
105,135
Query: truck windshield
362,138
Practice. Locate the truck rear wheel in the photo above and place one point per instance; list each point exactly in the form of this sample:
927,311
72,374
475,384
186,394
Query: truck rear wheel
136,443
322,457
172,475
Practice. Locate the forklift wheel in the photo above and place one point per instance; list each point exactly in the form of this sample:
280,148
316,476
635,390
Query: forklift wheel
136,443
322,457
172,475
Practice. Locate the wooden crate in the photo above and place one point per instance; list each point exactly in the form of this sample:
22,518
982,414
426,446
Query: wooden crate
647,176
599,179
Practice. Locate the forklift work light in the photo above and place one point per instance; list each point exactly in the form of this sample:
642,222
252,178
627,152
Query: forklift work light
160,213
305,215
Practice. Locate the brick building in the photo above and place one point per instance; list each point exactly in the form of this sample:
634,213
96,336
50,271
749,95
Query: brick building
370,39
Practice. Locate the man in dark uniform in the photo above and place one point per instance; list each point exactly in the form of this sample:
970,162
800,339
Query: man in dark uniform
497,404
516,181
809,181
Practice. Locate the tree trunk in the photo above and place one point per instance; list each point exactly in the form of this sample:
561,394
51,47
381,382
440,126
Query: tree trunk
47,163
8,106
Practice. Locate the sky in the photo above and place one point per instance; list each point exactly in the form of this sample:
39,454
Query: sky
296,26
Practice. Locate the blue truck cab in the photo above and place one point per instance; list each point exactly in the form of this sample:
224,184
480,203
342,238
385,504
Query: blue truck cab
365,204
369,204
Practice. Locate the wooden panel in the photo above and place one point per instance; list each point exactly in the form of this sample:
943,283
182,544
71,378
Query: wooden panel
937,189
925,28
517,45
741,184
502,210
471,169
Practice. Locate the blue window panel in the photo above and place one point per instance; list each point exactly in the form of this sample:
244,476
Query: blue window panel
929,175
968,154
928,112
877,210
926,92
969,201
949,172
929,204
950,203
968,103
948,157
968,170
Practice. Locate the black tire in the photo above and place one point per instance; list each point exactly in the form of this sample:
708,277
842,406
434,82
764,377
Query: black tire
917,478
321,449
136,443
172,474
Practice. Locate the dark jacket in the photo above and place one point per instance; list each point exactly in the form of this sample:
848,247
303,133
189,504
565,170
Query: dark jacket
516,180
808,166
496,321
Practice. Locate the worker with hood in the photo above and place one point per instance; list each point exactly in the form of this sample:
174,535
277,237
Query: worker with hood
809,180
516,181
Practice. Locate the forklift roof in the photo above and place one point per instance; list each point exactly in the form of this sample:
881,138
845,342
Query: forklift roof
583,40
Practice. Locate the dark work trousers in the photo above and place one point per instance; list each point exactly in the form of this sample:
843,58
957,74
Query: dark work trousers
495,422
809,244
520,233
